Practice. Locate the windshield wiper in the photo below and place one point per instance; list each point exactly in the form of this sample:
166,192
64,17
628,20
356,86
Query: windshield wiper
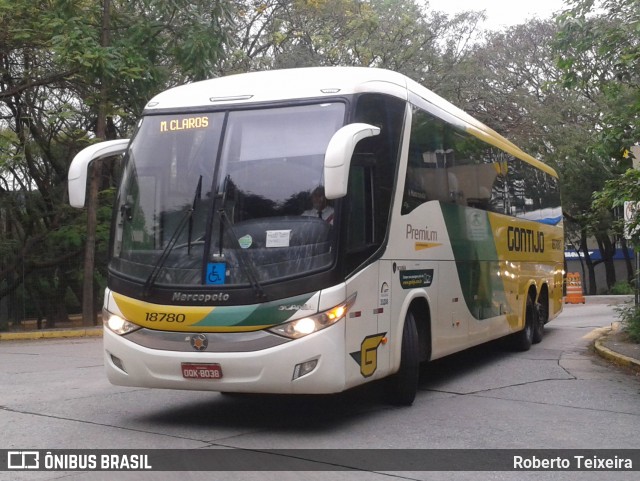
187,218
243,258
196,197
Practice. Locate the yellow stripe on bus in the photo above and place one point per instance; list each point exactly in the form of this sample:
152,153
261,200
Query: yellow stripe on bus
426,245
159,316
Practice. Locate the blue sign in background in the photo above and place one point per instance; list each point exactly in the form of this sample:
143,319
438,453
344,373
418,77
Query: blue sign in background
216,273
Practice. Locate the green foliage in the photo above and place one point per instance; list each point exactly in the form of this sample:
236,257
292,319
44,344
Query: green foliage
621,288
598,49
573,103
57,66
613,195
600,54
629,314
400,35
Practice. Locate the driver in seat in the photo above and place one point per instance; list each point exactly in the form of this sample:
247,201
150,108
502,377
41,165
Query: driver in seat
321,208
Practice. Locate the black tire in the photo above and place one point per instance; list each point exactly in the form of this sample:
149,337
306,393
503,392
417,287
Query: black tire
540,320
522,340
403,385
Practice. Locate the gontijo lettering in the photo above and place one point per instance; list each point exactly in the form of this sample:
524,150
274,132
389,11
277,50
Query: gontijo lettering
188,123
524,240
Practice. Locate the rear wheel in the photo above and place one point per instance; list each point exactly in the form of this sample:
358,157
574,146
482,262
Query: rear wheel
522,340
403,385
540,319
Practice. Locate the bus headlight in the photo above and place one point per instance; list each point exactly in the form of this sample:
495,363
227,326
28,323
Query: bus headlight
117,324
308,325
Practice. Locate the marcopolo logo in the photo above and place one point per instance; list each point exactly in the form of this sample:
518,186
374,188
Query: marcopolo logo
204,298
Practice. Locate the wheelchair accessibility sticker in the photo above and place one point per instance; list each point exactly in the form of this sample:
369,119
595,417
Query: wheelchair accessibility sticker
216,273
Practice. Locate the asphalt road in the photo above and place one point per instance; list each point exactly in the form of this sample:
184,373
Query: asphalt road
558,395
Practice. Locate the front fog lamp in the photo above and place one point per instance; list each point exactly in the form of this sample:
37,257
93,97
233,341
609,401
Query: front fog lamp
117,324
308,325
304,368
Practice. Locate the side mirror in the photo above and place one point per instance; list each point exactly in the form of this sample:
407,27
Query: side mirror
77,177
337,159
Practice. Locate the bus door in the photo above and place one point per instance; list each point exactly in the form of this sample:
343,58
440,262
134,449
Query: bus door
364,337
371,187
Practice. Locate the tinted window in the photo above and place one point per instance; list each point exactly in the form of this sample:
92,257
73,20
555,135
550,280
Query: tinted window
449,165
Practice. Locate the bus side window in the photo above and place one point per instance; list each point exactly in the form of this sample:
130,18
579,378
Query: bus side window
428,177
533,194
449,165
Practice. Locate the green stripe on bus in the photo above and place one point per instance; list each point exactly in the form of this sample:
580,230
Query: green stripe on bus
268,314
476,259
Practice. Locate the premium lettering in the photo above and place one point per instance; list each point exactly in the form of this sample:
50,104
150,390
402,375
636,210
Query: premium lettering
422,234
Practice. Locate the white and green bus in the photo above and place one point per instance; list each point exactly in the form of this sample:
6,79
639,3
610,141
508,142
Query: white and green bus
230,270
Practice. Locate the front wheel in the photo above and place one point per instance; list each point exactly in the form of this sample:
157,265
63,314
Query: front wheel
403,385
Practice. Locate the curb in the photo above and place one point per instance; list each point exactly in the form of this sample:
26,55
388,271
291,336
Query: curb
616,357
58,334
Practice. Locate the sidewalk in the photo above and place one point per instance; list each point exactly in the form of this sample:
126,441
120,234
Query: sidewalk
614,345
74,328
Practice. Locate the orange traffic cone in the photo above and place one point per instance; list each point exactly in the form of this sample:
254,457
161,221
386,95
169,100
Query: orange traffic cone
574,289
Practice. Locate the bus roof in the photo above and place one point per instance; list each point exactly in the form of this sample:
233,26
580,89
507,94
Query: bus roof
317,82
279,85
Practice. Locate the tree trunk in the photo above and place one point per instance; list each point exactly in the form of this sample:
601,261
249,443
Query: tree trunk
592,290
89,312
607,252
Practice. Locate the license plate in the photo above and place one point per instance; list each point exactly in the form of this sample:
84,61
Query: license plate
201,371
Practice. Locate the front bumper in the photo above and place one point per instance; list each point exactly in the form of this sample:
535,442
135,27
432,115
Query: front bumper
269,370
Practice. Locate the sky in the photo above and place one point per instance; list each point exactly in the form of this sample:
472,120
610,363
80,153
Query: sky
502,13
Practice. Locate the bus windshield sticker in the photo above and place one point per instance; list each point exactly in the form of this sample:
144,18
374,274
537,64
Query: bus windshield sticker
245,241
216,273
278,238
416,278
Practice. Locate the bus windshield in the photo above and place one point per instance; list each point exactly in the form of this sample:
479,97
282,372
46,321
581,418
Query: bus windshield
226,198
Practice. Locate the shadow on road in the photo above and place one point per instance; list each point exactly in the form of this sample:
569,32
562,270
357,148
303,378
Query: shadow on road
320,413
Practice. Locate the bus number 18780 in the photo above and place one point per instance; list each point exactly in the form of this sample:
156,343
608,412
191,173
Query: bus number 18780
165,316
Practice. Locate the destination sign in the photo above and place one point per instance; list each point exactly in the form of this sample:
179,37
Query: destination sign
186,123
